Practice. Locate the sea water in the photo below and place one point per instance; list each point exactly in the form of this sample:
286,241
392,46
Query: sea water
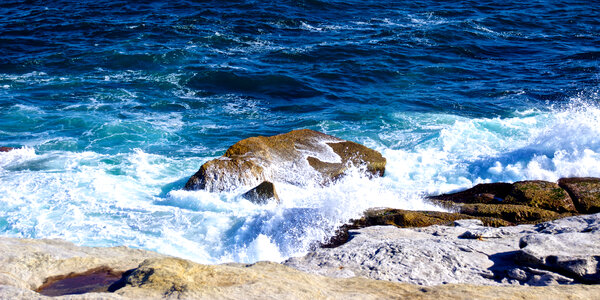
112,106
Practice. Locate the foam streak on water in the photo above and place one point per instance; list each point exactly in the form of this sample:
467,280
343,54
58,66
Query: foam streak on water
114,105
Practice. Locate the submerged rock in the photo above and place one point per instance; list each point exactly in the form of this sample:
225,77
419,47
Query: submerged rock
300,157
262,193
585,193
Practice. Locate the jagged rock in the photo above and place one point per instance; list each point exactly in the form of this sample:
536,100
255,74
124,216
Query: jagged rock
540,194
465,252
299,157
585,193
262,193
575,254
6,149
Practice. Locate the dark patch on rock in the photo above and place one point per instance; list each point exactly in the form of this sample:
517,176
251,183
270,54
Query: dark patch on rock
295,157
6,149
481,193
584,191
92,281
541,194
262,193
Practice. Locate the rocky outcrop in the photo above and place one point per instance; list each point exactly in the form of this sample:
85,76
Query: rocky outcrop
6,149
161,277
299,157
541,194
563,251
521,202
585,193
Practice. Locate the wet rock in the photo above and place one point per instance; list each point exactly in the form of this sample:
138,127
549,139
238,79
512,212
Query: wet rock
481,193
518,214
409,218
6,149
574,254
92,281
262,193
585,193
300,157
540,194
519,203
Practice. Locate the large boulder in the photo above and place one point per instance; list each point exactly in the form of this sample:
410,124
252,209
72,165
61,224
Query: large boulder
585,193
300,157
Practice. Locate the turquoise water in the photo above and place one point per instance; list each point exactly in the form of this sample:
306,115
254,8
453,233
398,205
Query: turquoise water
113,106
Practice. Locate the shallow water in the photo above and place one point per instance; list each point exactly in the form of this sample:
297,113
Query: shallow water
114,105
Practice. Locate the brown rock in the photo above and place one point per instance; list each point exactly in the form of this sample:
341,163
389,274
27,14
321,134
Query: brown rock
298,157
584,191
541,194
262,193
6,149
514,213
408,218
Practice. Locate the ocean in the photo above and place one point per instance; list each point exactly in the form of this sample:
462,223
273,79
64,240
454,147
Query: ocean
114,105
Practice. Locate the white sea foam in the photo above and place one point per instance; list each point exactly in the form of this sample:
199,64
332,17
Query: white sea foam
135,198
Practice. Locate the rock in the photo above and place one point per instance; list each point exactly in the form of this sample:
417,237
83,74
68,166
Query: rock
467,252
424,256
6,149
518,214
25,263
481,193
585,193
574,254
541,194
409,218
300,157
519,203
262,193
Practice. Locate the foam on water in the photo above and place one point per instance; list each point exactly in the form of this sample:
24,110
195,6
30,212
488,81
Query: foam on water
136,198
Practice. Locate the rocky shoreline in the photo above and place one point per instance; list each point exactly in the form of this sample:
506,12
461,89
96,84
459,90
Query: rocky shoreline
496,241
26,265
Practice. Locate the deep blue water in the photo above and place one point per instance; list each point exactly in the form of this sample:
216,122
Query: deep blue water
116,104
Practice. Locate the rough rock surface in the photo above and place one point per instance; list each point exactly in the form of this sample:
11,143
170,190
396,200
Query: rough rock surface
467,252
541,194
298,157
26,262
585,193
523,202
